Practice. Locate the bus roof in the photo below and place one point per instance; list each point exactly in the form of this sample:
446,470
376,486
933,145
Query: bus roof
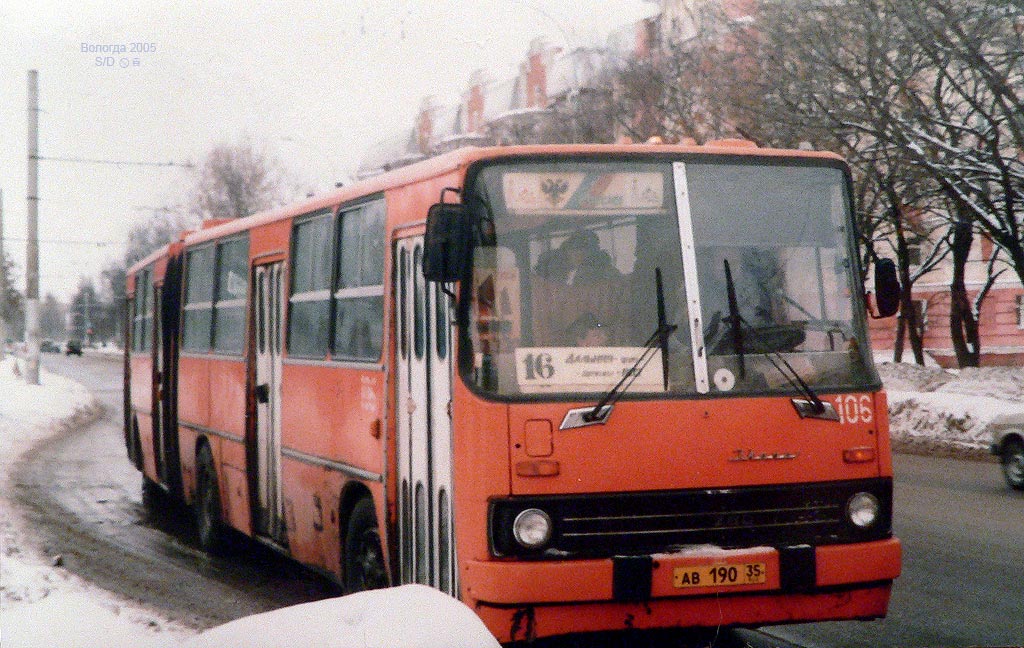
161,252
449,162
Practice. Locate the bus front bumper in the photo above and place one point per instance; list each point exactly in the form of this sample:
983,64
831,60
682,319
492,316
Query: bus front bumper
697,587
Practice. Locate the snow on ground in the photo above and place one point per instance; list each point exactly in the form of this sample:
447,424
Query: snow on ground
411,616
931,410
935,411
42,605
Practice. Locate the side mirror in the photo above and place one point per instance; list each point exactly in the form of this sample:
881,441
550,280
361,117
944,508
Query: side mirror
887,288
446,244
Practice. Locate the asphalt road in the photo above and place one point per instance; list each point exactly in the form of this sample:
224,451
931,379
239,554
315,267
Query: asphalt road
962,533
83,497
963,563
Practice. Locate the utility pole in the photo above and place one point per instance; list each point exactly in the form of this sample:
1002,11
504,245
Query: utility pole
32,263
3,282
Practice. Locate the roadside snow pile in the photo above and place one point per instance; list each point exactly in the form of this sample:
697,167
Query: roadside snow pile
411,616
40,603
939,412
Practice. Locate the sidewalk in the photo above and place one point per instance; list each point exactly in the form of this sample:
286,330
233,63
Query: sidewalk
42,605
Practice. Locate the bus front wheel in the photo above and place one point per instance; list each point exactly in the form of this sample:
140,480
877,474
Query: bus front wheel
364,560
1013,464
152,495
206,507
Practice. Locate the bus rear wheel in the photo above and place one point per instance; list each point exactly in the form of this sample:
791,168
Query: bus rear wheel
206,507
363,558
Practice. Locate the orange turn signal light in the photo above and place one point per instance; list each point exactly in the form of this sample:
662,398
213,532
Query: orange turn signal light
861,454
537,468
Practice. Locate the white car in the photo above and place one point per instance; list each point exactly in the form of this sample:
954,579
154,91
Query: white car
1008,445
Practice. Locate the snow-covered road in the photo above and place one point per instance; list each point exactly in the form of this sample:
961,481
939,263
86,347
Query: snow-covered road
40,603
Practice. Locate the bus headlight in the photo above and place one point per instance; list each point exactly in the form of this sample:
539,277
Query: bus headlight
532,528
862,509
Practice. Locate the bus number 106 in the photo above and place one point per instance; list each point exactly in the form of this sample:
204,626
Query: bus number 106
855,408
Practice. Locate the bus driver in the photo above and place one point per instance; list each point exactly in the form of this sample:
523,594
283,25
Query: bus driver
574,278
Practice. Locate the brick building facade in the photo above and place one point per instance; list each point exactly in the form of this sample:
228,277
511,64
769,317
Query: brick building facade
518,109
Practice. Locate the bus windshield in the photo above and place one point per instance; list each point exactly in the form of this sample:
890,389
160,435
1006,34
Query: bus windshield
754,265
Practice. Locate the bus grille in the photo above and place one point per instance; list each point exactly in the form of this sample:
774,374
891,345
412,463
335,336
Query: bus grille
593,525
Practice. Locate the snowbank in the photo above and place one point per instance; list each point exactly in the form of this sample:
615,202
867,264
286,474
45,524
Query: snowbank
411,616
42,605
934,411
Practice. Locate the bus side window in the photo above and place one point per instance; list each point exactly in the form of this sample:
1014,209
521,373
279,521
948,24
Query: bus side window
359,291
198,299
403,292
441,317
142,308
310,301
230,296
419,323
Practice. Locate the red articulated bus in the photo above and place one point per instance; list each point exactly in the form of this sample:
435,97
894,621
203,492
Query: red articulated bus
582,388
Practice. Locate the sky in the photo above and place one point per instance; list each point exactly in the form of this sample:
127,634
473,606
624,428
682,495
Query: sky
312,84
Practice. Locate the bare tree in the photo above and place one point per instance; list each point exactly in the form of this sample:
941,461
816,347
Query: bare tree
583,116
12,305
968,126
237,180
113,301
895,88
52,315
161,227
810,74
634,105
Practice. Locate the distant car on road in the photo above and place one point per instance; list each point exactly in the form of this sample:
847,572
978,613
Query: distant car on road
73,347
1008,445
49,346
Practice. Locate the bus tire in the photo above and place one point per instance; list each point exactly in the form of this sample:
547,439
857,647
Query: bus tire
135,449
210,529
363,557
1013,464
152,495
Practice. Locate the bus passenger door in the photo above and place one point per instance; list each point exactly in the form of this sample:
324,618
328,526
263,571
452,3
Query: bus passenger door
268,327
159,389
423,367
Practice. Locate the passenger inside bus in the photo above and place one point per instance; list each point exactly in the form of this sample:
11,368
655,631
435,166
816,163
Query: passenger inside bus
578,260
576,277
587,331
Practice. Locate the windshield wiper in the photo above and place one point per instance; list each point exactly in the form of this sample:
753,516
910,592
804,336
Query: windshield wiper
658,339
662,327
735,323
814,405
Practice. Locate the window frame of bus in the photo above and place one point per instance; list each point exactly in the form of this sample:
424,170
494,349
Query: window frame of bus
317,345
191,309
469,214
332,292
220,305
370,245
140,303
210,306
